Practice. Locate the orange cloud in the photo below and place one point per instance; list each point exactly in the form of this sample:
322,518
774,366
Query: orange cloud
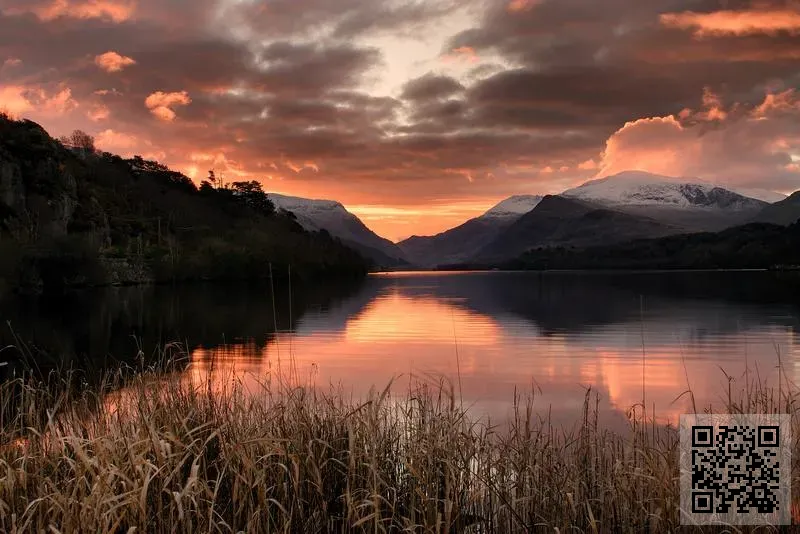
746,22
115,10
98,113
117,142
20,99
297,168
160,103
13,101
741,147
462,53
113,62
778,102
515,6
60,103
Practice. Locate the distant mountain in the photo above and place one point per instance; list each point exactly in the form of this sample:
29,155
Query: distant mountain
643,188
562,221
329,215
785,212
692,206
460,243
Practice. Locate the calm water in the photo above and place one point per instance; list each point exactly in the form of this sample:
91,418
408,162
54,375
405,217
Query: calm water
552,333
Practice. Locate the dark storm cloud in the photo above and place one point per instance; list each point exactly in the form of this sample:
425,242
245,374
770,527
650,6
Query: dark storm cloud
279,84
430,87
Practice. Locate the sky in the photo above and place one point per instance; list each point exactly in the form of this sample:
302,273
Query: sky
418,114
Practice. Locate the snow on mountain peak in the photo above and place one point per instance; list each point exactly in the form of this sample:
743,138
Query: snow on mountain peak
288,203
514,206
638,188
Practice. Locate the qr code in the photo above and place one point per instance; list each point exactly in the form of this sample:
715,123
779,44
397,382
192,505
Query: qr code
735,469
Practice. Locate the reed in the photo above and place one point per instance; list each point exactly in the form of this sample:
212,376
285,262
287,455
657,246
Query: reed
158,453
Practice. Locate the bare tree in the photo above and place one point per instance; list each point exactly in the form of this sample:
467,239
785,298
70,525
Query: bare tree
79,141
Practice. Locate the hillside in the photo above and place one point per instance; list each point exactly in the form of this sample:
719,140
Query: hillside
785,212
752,246
74,216
568,222
460,243
331,216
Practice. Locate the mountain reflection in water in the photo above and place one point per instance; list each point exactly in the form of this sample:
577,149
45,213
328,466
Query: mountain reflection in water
554,334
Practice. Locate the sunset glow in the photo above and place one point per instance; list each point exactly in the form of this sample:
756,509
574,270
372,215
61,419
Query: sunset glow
417,115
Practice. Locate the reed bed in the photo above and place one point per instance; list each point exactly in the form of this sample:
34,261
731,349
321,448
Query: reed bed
157,453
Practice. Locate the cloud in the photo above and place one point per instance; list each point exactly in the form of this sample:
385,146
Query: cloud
10,63
465,54
431,87
113,62
160,104
13,101
19,100
512,88
47,10
339,19
117,142
745,22
515,6
98,113
741,147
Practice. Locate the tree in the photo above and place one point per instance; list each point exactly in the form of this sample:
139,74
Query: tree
79,141
252,194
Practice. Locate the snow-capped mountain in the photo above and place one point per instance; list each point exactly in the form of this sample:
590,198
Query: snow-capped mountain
569,222
641,188
462,242
513,207
692,205
329,215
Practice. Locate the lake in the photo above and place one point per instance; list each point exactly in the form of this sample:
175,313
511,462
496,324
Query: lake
553,334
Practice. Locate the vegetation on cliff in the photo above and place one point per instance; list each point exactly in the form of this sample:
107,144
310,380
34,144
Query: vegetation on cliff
71,215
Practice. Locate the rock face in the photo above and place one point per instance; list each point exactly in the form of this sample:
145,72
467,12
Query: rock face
39,194
12,190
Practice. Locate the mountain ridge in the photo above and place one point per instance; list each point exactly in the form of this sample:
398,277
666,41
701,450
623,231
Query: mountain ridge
333,217
562,221
458,243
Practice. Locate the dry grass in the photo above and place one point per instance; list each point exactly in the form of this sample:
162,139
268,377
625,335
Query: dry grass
163,455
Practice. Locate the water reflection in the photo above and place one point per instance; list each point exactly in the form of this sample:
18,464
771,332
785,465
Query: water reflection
555,333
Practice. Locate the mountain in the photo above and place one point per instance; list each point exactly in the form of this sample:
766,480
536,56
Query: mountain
329,215
691,206
785,212
751,246
460,243
563,221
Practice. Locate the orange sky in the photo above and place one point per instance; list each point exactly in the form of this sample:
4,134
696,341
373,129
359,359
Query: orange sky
418,115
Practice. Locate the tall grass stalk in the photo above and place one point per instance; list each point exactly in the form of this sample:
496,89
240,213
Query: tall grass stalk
159,453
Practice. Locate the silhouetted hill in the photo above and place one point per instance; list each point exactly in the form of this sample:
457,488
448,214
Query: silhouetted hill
560,221
785,212
74,216
460,243
752,246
